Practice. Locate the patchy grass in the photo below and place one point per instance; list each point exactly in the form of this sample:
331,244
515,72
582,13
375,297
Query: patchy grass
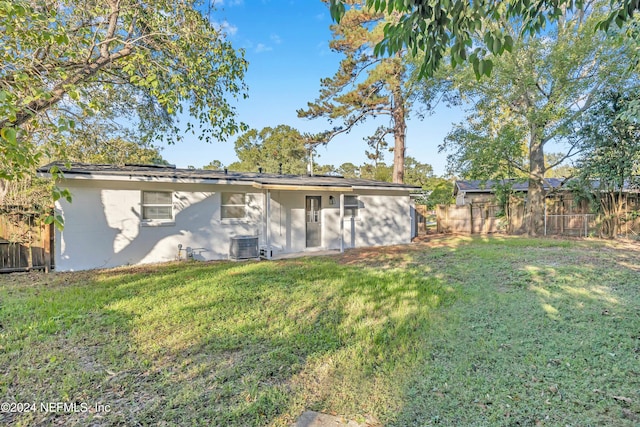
450,331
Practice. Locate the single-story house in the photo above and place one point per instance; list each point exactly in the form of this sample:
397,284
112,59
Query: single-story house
136,214
469,192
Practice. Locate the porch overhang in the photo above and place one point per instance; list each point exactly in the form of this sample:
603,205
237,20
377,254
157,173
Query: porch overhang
289,187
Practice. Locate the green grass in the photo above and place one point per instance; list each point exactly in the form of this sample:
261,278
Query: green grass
455,331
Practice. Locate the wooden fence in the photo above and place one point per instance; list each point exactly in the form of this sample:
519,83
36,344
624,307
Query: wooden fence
25,243
472,219
423,219
581,225
562,216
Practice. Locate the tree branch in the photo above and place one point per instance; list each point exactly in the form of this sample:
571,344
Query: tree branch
61,89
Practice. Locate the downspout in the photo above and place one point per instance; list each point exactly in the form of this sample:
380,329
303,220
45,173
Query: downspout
268,224
341,222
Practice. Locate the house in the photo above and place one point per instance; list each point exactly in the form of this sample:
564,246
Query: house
138,214
478,191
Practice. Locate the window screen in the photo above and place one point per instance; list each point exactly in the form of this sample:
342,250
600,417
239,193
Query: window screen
157,205
233,205
351,206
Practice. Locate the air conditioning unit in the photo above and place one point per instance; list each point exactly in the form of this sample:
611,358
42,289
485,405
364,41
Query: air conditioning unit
244,247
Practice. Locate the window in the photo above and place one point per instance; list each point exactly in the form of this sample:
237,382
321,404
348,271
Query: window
351,206
157,205
233,206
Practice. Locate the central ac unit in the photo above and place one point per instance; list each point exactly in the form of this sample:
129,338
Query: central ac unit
244,247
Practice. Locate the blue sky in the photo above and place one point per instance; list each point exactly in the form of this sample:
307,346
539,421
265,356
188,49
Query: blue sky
287,46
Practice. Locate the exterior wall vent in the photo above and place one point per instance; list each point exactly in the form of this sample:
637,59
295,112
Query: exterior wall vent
244,247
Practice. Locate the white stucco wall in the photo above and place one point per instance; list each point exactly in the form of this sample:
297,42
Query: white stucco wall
103,226
384,219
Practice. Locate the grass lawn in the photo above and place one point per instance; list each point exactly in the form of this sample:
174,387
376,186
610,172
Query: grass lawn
451,331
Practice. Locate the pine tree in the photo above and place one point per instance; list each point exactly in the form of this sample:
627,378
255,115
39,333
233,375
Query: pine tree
365,86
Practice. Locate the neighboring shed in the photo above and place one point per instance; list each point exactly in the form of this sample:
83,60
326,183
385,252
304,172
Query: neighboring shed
143,214
477,191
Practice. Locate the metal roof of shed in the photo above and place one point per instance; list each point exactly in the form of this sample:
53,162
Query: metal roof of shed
487,186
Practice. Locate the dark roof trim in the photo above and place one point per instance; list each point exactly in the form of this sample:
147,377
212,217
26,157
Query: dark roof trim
160,173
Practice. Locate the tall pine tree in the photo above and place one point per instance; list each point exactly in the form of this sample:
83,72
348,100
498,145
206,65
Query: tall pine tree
365,86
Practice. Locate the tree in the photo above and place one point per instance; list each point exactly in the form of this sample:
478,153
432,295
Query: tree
214,165
441,192
273,149
417,173
536,97
610,160
435,27
65,61
364,86
115,151
378,145
377,172
561,170
349,170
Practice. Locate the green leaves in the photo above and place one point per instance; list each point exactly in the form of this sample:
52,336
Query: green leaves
431,27
59,193
269,148
537,97
56,220
9,135
481,67
337,9
163,58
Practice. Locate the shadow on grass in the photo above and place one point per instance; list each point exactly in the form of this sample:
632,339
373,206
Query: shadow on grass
545,331
217,343
527,338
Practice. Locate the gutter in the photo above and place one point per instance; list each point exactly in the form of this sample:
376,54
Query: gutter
134,178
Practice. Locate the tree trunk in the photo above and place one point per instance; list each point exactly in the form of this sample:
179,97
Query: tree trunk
536,194
398,113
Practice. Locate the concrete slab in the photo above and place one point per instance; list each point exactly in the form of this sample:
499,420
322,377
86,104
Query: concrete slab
317,419
306,253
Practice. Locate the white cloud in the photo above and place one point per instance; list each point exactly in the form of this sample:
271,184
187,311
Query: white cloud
226,27
276,38
261,47
220,3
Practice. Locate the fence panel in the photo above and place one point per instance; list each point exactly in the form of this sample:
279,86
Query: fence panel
516,224
562,217
570,224
424,219
473,219
25,243
453,219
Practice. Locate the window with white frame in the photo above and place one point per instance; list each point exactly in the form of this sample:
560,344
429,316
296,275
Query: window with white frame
157,205
351,206
233,206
